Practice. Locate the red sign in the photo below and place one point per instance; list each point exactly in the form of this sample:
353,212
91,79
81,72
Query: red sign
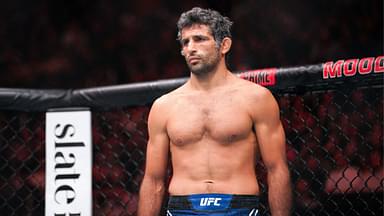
264,77
351,67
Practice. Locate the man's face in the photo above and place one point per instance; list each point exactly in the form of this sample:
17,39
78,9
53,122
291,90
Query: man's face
199,49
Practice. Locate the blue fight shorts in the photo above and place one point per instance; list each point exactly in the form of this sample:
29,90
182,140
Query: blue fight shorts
213,204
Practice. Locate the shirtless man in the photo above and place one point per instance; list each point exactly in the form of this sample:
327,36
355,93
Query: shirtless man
212,128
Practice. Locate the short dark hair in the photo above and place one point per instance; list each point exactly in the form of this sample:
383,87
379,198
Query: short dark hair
219,25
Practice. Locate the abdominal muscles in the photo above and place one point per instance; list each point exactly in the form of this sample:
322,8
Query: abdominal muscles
207,166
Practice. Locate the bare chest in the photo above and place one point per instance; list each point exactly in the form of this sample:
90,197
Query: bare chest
219,119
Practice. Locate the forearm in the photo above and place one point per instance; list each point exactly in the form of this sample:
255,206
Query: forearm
150,197
279,191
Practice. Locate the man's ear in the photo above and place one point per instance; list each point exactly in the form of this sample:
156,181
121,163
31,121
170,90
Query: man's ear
226,45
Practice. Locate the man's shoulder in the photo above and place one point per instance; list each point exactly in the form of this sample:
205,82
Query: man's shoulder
258,99
170,97
252,89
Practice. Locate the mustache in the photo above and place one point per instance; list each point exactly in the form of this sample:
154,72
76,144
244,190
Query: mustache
185,55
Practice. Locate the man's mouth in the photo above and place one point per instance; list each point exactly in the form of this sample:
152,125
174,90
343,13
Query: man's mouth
193,60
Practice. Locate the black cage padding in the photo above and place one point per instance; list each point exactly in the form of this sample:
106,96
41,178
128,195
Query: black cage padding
285,80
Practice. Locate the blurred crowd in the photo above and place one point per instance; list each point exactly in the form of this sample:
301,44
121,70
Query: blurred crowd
334,138
83,43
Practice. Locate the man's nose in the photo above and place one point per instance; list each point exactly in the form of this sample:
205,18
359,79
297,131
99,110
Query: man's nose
190,48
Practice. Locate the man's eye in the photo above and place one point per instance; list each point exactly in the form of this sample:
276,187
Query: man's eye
199,39
184,43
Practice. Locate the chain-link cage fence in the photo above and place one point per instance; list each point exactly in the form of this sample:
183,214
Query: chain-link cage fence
334,148
21,163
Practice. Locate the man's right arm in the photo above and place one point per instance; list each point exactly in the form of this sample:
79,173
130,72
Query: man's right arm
152,187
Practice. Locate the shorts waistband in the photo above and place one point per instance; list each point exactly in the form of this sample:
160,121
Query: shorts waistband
212,201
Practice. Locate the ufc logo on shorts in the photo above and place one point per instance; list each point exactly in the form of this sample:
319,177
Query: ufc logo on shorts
210,201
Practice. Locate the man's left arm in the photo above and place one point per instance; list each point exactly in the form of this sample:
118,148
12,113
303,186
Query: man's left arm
271,139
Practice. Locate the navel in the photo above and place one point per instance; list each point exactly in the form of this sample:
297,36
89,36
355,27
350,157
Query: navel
209,181
209,184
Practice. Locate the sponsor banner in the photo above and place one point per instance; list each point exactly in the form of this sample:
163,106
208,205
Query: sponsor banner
68,161
353,67
264,77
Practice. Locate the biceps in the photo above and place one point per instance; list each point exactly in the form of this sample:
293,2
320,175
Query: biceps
157,156
271,139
